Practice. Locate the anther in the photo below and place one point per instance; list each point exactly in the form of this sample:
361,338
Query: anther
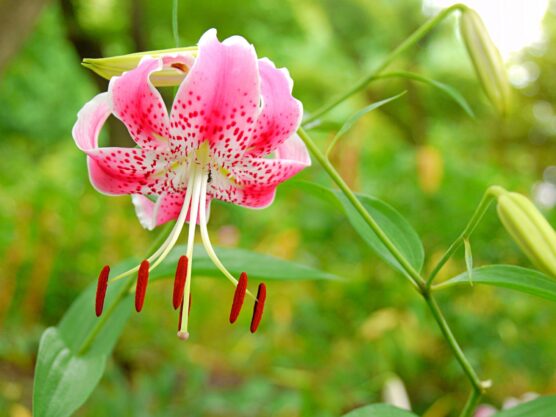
239,296
179,282
258,308
102,285
141,288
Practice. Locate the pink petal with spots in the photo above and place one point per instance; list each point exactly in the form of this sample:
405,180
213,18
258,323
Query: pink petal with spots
254,180
166,208
281,113
114,170
139,105
219,99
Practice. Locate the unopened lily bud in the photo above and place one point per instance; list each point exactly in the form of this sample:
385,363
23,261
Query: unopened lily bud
430,168
486,60
529,229
172,74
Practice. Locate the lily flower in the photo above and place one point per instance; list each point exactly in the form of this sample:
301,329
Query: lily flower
230,135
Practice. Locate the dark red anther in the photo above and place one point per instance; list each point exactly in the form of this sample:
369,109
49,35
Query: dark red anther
258,308
239,296
102,285
179,282
141,288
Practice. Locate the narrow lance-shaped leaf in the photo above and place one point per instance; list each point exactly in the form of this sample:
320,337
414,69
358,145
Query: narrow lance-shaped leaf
393,224
508,276
450,91
355,117
468,260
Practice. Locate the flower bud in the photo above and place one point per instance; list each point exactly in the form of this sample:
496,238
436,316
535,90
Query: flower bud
116,65
529,229
486,60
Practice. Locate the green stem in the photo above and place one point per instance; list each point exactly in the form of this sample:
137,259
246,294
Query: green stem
471,403
175,31
452,342
123,292
413,275
404,46
478,215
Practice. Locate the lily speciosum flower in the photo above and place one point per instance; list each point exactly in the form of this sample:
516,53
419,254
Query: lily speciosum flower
230,135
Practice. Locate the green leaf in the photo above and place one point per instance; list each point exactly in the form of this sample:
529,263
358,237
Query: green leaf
444,88
63,380
72,356
394,225
355,117
508,276
540,407
257,265
379,410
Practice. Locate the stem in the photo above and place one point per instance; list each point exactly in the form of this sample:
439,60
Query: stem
405,45
478,215
413,275
175,31
471,403
452,342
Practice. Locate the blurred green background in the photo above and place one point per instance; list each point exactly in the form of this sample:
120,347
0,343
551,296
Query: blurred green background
323,348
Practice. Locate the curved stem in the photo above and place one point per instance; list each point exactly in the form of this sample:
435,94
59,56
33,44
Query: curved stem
404,46
478,215
175,31
471,403
413,275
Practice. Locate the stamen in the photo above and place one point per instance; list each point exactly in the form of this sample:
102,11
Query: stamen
179,281
258,308
102,285
239,296
141,288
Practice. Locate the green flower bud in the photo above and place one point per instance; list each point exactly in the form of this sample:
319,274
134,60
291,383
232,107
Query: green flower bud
529,229
486,60
116,65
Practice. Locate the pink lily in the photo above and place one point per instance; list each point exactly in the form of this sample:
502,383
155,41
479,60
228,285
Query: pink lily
230,135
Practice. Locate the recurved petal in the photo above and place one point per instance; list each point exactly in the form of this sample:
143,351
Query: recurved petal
281,113
219,99
167,207
253,181
90,120
139,105
119,171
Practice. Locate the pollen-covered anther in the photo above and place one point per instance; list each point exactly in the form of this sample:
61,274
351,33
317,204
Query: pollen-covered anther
179,282
258,308
239,296
102,285
141,288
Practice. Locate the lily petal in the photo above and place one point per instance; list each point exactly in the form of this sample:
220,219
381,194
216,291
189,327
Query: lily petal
219,99
254,180
167,207
281,113
139,105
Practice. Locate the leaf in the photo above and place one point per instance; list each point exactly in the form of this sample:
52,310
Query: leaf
257,265
394,225
444,88
66,374
379,410
468,260
355,117
508,276
540,407
63,380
